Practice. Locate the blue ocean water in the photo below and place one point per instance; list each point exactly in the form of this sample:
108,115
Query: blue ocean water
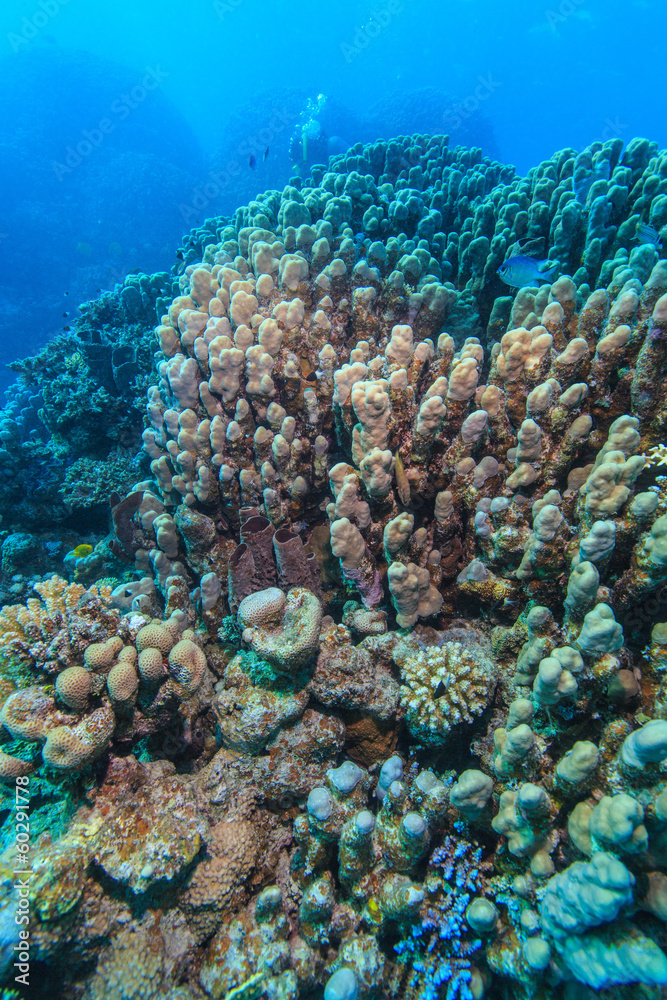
122,125
189,659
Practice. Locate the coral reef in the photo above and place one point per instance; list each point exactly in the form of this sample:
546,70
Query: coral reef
83,673
371,708
70,436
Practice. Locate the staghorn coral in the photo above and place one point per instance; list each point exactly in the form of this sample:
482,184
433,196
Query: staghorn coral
437,945
442,948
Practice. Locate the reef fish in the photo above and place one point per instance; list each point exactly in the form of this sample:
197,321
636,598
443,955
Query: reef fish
266,153
252,162
649,234
520,271
81,551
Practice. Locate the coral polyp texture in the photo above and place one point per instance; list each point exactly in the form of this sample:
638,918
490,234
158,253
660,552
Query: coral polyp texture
364,695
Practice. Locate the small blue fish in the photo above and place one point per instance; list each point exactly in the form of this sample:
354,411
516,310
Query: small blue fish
266,153
649,234
520,271
252,162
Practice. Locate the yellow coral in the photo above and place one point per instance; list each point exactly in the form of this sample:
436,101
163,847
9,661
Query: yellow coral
70,748
155,635
657,455
74,686
59,596
20,625
13,767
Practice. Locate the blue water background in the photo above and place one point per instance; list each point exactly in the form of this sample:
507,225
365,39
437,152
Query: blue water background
189,91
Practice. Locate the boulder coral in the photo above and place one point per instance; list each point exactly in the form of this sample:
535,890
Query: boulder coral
138,677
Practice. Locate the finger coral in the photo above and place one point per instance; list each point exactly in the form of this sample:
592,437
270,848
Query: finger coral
377,703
